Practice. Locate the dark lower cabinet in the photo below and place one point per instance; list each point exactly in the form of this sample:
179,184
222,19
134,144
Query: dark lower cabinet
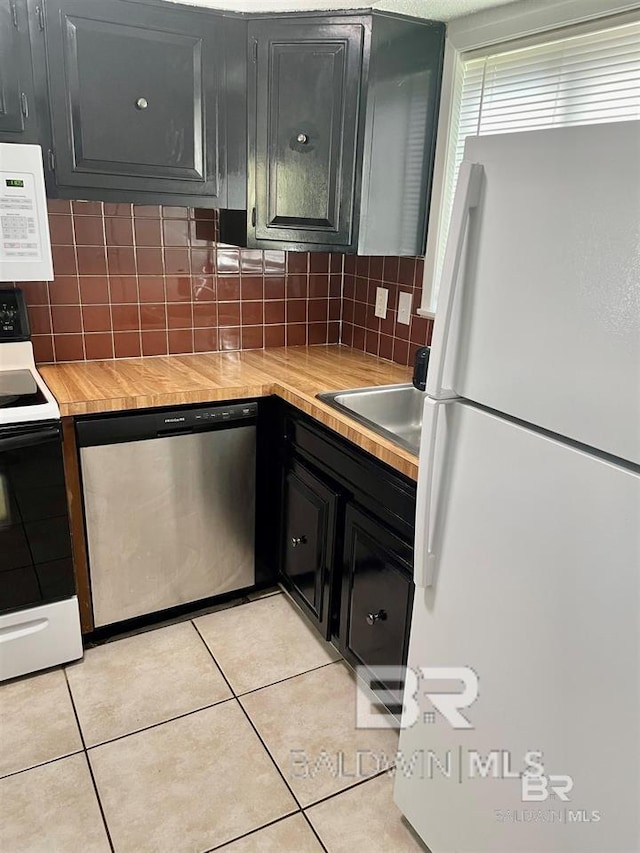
309,526
137,97
346,536
377,593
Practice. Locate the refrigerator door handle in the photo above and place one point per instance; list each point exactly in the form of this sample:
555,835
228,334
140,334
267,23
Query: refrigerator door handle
467,197
432,459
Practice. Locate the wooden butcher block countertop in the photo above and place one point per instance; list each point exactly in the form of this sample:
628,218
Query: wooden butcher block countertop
296,374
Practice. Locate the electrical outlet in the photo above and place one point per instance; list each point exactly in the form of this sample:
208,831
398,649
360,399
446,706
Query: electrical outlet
382,298
404,307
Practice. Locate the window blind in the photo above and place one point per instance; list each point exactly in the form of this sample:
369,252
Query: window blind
582,79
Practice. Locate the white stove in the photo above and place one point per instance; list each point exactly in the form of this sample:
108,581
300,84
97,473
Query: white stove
24,397
39,616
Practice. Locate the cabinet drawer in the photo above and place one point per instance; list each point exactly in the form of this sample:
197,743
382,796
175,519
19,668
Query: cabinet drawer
309,512
377,592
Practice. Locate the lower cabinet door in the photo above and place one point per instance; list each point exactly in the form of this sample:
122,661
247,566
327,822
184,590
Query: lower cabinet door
377,593
309,514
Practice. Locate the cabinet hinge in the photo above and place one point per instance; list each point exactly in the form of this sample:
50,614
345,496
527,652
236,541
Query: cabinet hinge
254,50
14,13
51,157
253,217
40,17
24,105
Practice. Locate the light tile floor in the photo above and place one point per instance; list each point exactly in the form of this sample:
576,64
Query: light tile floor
232,730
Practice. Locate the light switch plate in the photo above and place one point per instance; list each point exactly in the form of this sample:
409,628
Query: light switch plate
404,307
382,299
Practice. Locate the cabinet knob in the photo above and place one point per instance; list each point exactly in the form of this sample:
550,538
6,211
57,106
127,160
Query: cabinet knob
142,104
380,616
302,138
298,540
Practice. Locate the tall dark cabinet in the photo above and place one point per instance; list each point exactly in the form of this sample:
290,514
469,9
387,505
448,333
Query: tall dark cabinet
303,124
342,122
138,91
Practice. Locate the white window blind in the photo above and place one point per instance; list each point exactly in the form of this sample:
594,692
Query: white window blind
582,79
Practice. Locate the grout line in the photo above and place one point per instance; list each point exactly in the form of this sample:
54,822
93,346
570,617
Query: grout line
288,678
250,721
313,829
159,723
253,831
86,757
42,763
348,788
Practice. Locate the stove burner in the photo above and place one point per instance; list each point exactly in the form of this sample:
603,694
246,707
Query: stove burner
18,388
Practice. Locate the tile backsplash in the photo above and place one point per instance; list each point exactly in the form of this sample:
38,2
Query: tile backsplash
135,280
386,338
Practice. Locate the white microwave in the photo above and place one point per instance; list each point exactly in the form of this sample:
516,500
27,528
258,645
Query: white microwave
25,246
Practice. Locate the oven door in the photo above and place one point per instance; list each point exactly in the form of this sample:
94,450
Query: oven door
36,567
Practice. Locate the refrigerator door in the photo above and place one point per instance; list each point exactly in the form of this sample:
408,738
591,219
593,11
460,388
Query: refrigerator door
535,585
545,303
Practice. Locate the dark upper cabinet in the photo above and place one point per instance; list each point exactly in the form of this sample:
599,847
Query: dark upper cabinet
18,101
341,121
138,106
303,123
309,521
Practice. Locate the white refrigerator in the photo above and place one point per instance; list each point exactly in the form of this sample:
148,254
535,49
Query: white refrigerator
527,562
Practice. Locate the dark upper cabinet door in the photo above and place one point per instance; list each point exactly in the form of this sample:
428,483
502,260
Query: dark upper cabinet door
17,102
377,593
308,535
135,94
304,107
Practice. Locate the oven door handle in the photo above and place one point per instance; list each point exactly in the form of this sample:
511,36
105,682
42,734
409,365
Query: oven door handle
28,439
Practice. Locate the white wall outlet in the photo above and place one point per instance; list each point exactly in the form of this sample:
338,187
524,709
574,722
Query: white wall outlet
382,298
404,307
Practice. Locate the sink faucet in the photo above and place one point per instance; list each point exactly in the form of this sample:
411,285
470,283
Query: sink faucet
420,368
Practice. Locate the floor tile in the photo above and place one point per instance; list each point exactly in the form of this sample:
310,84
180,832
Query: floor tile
364,818
52,809
189,784
263,642
292,834
36,721
130,684
308,725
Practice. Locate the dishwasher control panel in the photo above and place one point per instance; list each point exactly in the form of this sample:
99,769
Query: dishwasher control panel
114,429
210,415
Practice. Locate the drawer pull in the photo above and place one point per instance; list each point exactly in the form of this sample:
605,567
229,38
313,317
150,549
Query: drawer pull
298,540
380,616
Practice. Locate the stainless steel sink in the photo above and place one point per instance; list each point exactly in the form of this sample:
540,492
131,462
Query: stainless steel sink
394,411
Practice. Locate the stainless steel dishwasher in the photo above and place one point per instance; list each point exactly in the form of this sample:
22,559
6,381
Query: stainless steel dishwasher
169,500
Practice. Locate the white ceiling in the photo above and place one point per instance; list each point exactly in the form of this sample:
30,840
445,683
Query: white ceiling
435,10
